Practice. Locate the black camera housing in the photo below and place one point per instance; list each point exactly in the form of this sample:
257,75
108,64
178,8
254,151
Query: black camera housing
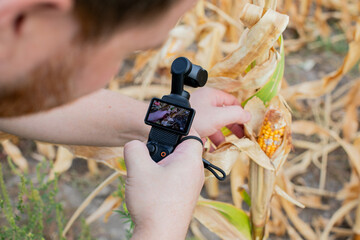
165,136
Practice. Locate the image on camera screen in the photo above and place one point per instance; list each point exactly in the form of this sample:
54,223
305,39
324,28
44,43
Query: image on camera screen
169,116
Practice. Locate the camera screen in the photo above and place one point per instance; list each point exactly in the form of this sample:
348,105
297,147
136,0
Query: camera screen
169,116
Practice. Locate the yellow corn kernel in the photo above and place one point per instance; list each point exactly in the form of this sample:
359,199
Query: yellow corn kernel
272,132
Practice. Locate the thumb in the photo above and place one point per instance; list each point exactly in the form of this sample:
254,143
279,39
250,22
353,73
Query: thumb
231,114
186,152
137,157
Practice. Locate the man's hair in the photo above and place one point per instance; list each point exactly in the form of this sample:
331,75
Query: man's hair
101,17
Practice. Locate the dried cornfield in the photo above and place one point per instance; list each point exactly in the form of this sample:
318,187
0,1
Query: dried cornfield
294,128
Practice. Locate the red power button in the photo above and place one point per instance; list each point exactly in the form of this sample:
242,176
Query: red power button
163,154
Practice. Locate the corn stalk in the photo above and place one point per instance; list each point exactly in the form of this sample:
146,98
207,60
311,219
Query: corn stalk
273,139
261,180
356,227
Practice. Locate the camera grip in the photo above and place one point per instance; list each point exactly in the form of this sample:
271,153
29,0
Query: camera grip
161,143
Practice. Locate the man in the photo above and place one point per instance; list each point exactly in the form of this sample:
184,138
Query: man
56,55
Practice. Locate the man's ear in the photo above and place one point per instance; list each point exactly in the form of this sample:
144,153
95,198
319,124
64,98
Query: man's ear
14,15
12,11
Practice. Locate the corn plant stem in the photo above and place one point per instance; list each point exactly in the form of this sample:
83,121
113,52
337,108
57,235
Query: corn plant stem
87,201
261,181
324,161
261,186
356,227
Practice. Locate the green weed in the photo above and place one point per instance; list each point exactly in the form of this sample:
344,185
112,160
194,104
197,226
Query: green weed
124,213
34,214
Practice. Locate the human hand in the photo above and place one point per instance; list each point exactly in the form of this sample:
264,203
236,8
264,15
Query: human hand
216,109
161,197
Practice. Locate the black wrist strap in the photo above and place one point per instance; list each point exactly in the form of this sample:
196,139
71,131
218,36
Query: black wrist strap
191,137
209,166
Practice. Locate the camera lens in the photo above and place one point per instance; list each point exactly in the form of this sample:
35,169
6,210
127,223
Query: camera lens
197,77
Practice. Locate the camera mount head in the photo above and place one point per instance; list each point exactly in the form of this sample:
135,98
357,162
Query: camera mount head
186,73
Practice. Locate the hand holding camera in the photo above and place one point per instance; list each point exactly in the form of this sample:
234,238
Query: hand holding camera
171,117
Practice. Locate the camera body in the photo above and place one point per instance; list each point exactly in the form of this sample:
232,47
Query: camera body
171,116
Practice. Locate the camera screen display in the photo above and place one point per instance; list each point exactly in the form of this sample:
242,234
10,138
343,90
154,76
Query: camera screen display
169,116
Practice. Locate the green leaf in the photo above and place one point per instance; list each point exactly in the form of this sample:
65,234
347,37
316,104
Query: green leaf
245,196
237,217
271,88
251,66
226,131
122,163
7,207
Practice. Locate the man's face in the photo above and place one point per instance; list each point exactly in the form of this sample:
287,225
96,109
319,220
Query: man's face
43,66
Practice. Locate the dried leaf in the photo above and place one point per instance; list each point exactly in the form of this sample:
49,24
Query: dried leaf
109,204
46,150
350,125
63,162
209,51
259,40
257,110
15,154
212,187
303,228
308,128
251,14
224,157
327,84
195,229
88,200
6,136
96,153
271,88
284,195
217,223
235,216
254,152
339,214
356,227
93,167
238,176
314,202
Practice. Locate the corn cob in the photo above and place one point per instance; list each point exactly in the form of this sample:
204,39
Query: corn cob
272,132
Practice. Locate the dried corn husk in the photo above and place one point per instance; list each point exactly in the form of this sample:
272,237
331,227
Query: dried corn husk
239,174
260,38
212,187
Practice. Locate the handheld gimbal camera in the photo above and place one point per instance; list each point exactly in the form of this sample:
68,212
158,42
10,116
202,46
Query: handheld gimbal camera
171,116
